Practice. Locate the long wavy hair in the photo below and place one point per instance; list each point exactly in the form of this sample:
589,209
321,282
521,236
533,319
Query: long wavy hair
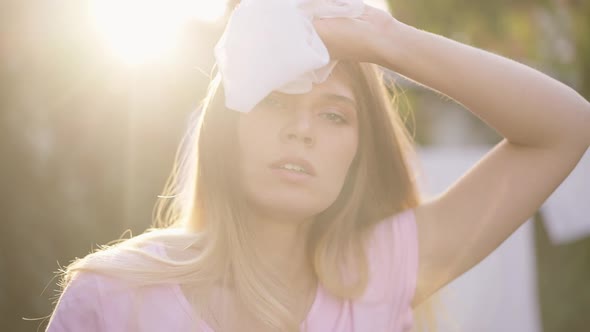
199,218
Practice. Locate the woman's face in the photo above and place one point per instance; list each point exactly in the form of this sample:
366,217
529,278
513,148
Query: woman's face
295,149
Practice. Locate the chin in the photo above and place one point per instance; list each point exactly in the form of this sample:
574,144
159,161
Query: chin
289,205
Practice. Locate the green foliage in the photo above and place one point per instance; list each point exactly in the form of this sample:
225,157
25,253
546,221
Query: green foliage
530,31
581,23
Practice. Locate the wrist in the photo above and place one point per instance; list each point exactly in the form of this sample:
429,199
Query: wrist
393,46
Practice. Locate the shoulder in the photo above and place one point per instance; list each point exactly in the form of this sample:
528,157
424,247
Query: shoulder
98,302
79,305
108,285
393,254
398,232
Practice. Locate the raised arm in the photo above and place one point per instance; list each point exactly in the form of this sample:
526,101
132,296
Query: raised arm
546,126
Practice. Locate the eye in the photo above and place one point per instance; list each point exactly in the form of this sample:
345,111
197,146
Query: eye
333,117
272,102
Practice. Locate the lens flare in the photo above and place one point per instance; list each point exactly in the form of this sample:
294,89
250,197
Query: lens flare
141,31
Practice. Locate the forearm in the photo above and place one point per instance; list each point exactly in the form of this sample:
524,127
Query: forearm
524,105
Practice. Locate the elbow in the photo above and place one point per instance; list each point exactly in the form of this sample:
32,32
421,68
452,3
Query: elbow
584,130
579,134
586,125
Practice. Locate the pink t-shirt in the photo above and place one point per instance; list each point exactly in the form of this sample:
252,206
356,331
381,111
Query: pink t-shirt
93,302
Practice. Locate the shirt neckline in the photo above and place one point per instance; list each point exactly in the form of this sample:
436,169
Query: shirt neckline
189,310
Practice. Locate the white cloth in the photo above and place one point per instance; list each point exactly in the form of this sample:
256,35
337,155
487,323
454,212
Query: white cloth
566,212
272,45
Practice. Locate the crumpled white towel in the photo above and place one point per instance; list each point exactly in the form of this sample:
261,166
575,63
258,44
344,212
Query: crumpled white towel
272,45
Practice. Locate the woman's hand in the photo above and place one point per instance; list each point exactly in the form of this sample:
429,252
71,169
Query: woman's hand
362,39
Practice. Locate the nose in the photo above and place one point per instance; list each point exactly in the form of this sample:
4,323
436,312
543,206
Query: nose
299,128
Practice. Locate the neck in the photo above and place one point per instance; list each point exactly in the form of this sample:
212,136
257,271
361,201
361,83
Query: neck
282,243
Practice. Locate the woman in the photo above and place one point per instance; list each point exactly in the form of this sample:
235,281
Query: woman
302,213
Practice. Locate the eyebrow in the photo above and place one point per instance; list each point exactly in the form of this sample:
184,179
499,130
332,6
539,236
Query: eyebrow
339,98
328,96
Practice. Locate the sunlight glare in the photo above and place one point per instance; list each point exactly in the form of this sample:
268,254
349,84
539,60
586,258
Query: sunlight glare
141,31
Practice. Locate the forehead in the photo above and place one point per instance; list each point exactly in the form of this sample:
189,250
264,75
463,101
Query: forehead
336,83
334,89
336,86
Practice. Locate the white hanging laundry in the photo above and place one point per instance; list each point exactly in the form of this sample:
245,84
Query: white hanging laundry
566,213
500,293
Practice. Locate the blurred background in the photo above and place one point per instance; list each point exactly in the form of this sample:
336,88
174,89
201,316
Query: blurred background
95,96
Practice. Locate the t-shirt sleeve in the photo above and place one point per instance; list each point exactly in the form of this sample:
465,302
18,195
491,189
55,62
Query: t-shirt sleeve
404,244
393,255
79,307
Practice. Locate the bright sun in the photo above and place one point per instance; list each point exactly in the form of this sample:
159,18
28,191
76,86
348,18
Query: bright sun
141,31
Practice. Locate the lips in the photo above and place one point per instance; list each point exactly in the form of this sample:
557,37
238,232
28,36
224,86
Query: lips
294,164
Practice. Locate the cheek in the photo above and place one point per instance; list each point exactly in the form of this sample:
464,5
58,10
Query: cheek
249,128
346,148
253,132
255,141
341,155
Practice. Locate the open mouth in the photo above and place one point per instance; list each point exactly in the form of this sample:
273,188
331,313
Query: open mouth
294,167
294,164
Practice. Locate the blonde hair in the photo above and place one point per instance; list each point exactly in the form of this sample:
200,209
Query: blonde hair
200,214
